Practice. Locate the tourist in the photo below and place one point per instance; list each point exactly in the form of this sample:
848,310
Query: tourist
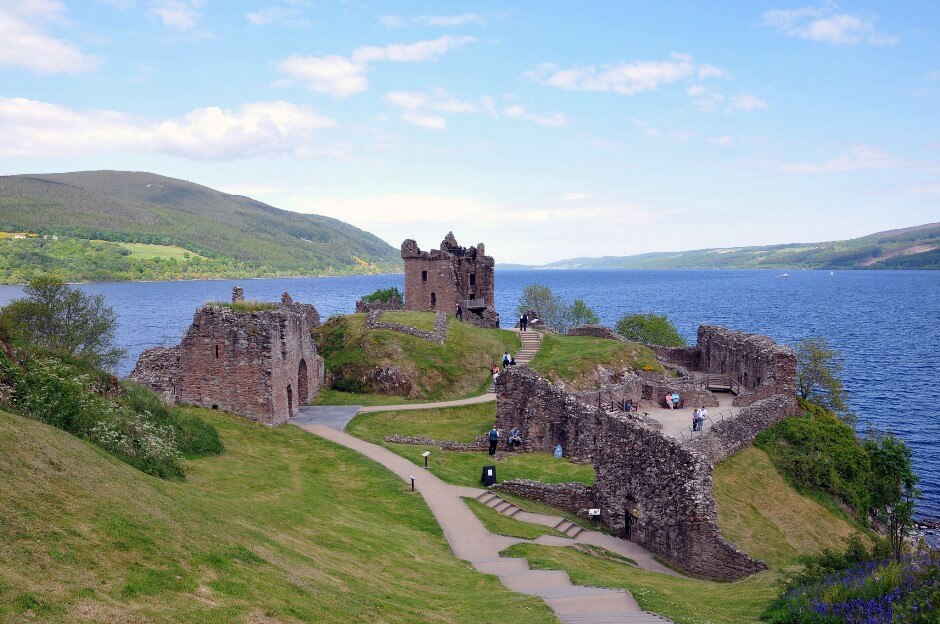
524,322
702,415
459,312
668,401
515,440
495,372
695,420
494,438
676,403
512,360
506,359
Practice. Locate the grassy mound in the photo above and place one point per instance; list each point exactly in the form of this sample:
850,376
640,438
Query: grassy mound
462,424
573,359
419,320
282,528
457,369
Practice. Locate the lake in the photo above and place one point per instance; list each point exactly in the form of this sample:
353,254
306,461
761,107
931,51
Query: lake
885,323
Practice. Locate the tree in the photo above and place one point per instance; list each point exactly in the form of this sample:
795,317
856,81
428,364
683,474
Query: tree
892,485
384,294
818,370
650,329
60,318
581,314
547,306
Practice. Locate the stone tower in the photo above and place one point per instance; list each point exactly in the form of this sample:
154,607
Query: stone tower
442,279
262,364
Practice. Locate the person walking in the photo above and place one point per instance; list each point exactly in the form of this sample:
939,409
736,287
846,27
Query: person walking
524,321
459,312
494,439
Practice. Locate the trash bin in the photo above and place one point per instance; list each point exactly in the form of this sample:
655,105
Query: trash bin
489,475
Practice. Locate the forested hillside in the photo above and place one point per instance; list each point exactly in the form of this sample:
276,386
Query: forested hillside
94,215
908,248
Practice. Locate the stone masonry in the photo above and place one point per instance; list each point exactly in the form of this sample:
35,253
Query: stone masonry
262,365
442,279
652,488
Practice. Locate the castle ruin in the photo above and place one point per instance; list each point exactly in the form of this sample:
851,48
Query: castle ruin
652,488
260,364
442,279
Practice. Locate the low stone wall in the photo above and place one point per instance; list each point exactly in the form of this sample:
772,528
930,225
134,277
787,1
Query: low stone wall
488,319
598,331
480,444
686,357
727,437
364,307
573,497
438,335
158,368
691,395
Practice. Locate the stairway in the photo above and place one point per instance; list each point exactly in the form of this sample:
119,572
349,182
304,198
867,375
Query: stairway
531,341
503,506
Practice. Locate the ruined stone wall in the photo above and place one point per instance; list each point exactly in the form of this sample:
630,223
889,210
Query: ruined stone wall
687,357
727,437
364,307
597,331
438,335
158,368
547,415
573,497
441,279
262,365
667,489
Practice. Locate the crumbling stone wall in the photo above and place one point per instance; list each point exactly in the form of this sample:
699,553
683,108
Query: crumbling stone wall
262,365
686,357
441,279
598,331
573,497
364,307
481,443
727,437
438,335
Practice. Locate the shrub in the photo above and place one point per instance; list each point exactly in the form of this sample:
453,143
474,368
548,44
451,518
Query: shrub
194,437
650,328
384,294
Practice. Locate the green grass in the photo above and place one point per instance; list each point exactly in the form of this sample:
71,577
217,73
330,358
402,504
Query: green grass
419,320
499,524
573,359
283,528
457,369
683,600
246,305
146,251
331,396
461,424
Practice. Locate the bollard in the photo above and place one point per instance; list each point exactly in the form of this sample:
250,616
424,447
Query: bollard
412,484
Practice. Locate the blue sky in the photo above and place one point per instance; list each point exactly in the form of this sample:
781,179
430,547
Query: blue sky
545,129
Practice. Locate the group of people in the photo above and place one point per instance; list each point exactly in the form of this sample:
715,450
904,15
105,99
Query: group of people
507,361
512,443
698,418
672,401
523,322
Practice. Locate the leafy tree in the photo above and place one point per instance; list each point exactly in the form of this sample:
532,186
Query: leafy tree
384,294
818,375
548,307
581,314
650,329
65,320
893,486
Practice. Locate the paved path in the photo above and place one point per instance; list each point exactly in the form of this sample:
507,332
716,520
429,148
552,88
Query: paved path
472,542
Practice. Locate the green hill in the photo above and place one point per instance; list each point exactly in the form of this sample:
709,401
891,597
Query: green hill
283,528
908,248
96,214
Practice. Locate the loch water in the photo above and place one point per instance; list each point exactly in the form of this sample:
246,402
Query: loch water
886,324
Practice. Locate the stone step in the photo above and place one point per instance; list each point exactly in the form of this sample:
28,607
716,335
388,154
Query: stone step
535,580
563,522
503,565
599,602
502,506
486,496
513,513
573,531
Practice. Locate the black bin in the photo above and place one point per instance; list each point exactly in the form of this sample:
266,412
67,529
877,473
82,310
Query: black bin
489,475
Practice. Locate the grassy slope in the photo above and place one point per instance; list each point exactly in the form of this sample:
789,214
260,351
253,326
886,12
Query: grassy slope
126,206
283,528
757,510
499,524
462,424
573,359
418,320
147,251
457,369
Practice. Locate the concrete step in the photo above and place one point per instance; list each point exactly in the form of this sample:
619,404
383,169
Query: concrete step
503,565
502,506
514,512
599,602
635,617
531,581
573,531
562,524
486,497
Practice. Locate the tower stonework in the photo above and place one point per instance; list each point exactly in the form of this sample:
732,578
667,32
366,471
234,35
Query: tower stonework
441,279
262,365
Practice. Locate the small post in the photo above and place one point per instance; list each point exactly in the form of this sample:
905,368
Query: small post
412,483
426,455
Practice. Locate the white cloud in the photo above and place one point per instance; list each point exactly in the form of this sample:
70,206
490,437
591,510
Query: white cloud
554,120
392,22
407,99
25,41
418,118
417,107
745,102
725,140
625,78
339,76
859,157
42,130
923,189
278,14
576,196
824,25
179,15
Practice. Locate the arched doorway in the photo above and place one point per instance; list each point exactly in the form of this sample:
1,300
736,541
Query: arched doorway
303,389
433,301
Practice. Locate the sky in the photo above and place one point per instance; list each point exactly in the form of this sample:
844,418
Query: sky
546,130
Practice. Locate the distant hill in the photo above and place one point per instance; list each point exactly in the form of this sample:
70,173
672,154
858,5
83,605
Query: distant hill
216,234
908,248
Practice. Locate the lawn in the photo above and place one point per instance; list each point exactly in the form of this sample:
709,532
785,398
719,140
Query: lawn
499,524
462,424
282,528
419,320
457,369
573,359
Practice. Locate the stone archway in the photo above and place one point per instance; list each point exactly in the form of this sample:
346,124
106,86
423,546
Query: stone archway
303,385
